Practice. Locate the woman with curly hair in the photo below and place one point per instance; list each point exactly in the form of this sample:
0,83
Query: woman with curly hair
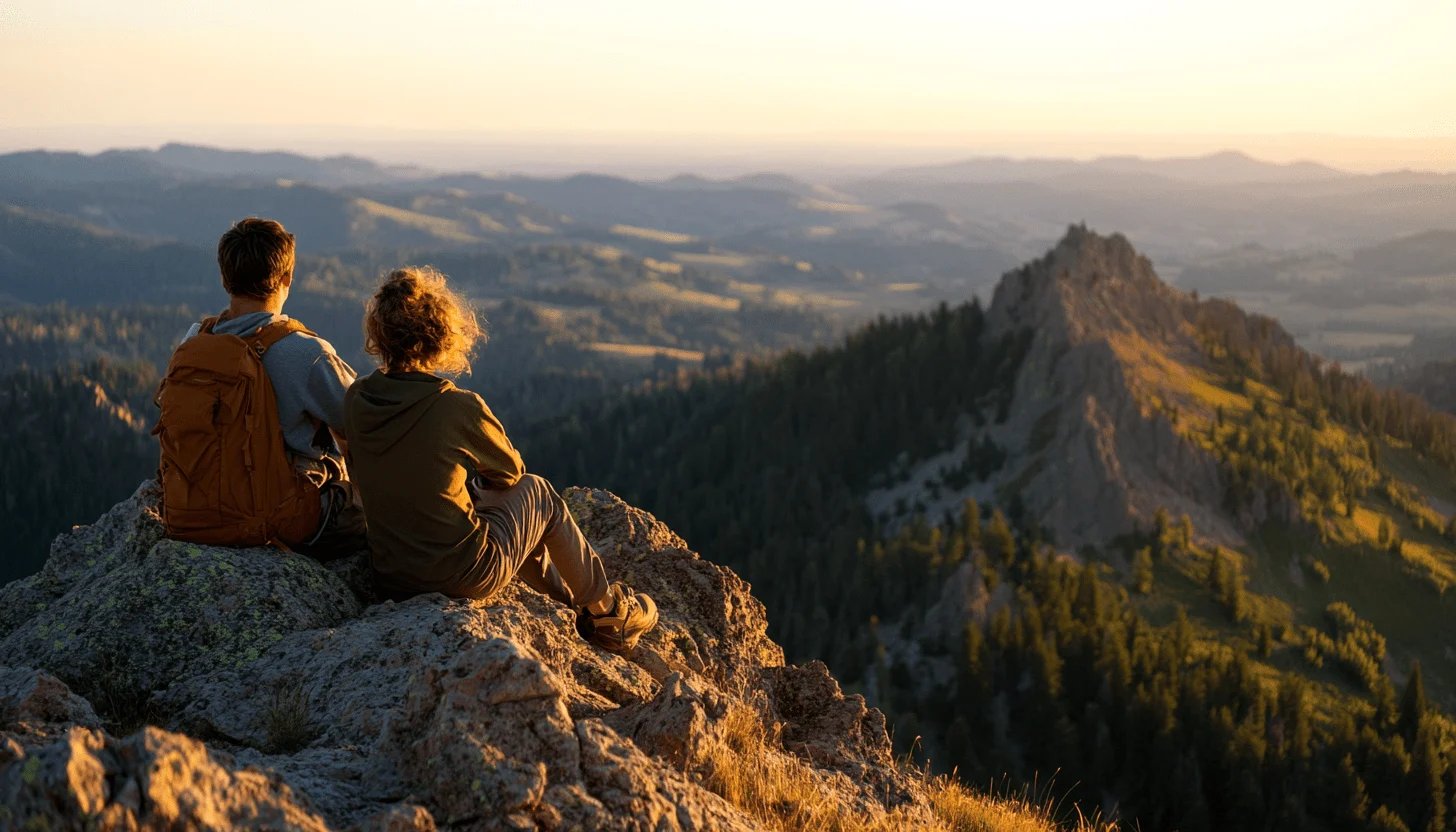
451,508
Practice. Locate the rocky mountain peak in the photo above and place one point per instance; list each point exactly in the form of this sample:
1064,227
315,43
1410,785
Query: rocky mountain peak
1107,359
1114,375
1086,287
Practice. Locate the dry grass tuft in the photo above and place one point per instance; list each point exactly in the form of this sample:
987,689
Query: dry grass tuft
963,810
746,766
124,706
287,719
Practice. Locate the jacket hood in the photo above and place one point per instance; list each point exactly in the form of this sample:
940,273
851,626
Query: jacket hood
386,407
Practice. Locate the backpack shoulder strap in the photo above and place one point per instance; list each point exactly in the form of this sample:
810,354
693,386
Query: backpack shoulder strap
207,324
265,337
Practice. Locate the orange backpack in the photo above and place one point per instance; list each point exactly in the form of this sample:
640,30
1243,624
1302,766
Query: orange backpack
227,478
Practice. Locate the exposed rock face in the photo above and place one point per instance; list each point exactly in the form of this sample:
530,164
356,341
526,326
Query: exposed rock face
1095,461
152,780
319,712
1090,433
115,600
31,697
820,723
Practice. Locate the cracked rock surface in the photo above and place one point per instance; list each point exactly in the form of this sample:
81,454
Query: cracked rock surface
146,683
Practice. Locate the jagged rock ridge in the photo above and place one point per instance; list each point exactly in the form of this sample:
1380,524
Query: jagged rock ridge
1090,435
287,698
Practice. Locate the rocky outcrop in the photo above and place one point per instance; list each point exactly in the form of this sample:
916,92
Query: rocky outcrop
30,697
1096,428
152,780
1094,455
279,697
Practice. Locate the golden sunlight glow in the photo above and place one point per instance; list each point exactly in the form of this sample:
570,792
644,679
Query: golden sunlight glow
844,71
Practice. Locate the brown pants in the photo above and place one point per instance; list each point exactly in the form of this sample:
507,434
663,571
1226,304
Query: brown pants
342,528
532,536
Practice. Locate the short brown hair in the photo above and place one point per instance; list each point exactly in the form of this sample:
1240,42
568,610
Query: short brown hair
255,256
414,322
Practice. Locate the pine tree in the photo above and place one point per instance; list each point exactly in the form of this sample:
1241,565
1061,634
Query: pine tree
1427,774
1182,634
1384,820
971,523
1234,597
1185,533
1357,803
1217,579
1000,544
1142,571
1161,525
1413,706
974,674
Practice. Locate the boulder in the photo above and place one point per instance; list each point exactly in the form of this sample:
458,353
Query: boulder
131,612
675,724
321,709
153,780
33,698
821,723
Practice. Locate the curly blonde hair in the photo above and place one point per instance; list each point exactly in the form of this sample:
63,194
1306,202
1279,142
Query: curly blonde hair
415,322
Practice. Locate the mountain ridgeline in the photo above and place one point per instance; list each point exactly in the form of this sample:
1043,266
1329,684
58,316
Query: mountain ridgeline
1101,528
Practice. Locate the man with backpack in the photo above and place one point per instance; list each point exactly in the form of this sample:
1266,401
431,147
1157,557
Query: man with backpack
251,429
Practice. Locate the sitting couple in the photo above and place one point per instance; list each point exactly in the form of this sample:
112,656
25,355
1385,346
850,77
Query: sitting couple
268,437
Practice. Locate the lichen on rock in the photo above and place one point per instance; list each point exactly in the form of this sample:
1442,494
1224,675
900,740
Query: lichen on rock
327,713
151,780
172,611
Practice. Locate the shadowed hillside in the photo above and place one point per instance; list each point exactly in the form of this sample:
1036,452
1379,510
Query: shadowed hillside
76,442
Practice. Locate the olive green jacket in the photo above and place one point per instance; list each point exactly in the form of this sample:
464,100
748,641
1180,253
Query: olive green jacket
415,441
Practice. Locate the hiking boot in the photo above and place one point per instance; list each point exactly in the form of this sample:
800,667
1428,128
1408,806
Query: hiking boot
617,630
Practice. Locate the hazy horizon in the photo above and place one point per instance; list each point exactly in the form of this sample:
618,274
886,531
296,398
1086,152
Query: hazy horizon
665,156
650,86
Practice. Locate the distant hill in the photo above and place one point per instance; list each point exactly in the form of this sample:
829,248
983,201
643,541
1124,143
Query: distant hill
197,213
567,322
1228,167
1434,381
186,161
64,167
193,212
1427,254
47,257
693,207
1181,210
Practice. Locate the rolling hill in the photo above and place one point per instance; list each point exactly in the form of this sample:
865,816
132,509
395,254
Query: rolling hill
1227,167
178,161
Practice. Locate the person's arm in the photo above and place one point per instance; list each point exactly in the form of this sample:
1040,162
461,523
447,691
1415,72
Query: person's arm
341,442
328,380
496,459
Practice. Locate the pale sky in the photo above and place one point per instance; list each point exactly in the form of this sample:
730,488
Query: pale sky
848,72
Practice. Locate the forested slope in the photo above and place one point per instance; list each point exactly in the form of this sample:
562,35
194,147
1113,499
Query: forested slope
75,443
1247,550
